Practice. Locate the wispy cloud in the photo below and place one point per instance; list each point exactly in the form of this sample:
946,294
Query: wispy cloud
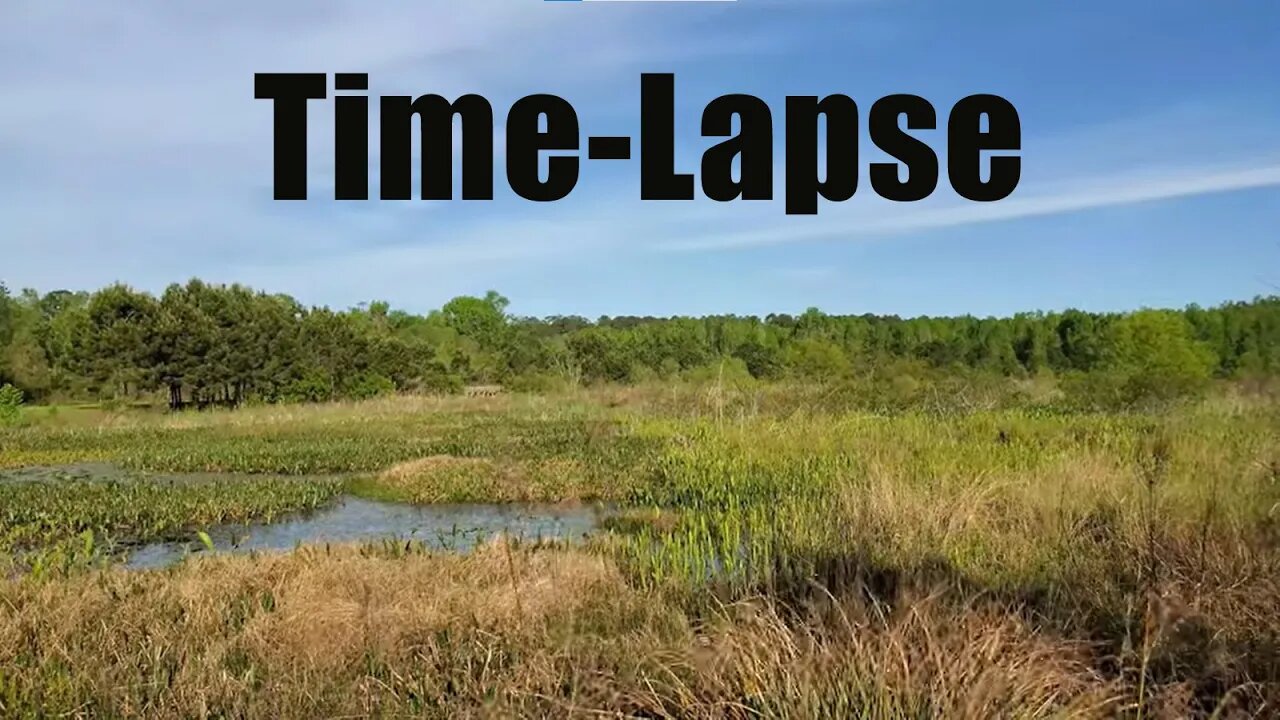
131,147
618,229
1088,194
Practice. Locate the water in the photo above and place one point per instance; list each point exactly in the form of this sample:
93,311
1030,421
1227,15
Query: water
451,527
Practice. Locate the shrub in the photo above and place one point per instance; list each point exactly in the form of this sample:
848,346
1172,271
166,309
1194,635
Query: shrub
436,378
763,361
312,387
111,404
730,371
1158,352
10,404
639,373
369,385
817,359
1153,358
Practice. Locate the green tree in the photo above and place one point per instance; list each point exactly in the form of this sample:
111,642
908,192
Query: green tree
1157,355
202,343
480,319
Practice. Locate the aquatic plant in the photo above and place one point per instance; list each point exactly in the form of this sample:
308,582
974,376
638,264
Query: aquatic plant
133,509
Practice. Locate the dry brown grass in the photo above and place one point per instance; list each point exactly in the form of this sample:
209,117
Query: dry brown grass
416,469
349,632
927,658
300,635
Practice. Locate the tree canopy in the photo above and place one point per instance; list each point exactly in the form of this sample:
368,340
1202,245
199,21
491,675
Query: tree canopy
203,344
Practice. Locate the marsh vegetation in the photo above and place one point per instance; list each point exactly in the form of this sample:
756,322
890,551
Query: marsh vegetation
766,555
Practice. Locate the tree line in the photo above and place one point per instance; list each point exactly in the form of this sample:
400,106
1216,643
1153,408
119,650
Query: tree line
204,344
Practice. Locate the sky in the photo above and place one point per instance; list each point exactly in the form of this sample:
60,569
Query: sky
132,150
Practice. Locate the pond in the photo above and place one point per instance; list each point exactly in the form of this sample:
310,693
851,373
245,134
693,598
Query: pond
453,527
344,519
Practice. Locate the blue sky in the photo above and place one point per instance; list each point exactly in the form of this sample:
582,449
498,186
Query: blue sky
131,149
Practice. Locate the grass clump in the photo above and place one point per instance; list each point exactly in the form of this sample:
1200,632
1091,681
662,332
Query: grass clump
448,479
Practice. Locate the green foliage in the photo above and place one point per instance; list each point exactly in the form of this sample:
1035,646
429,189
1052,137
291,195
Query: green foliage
35,512
762,361
480,319
369,385
10,404
207,345
1147,357
817,359
315,386
1158,355
729,371
436,378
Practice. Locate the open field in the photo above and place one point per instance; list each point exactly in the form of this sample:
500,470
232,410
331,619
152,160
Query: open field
766,559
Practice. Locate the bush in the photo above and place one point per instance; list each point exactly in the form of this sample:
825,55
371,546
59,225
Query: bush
10,404
729,371
1159,350
1153,358
436,378
1093,390
817,359
312,387
669,368
369,385
111,404
639,373
763,361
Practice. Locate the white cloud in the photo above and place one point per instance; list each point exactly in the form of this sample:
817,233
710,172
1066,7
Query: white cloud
131,146
1081,195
